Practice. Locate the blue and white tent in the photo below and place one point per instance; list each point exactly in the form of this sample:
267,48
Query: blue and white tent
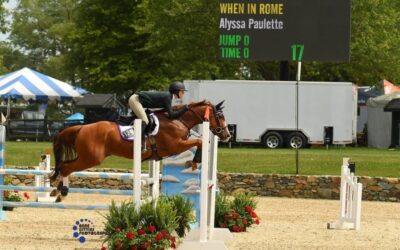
28,84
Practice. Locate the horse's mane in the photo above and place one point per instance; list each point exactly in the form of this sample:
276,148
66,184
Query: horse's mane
201,103
192,104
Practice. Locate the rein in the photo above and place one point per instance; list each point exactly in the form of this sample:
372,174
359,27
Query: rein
197,115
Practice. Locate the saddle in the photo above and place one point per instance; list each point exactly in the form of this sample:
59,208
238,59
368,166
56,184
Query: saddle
128,120
147,131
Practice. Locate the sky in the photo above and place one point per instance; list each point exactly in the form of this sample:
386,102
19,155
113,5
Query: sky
11,4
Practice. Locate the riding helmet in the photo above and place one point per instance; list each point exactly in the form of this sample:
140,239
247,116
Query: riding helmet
176,86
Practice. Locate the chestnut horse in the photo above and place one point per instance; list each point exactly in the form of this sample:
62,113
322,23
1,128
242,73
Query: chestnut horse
81,147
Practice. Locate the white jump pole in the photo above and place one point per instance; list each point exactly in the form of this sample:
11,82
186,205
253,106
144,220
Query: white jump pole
204,182
137,161
350,200
41,181
2,148
154,173
213,187
207,237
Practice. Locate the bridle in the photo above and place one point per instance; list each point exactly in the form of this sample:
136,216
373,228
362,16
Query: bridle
219,129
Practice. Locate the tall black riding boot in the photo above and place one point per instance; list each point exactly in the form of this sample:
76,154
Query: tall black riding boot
144,133
150,127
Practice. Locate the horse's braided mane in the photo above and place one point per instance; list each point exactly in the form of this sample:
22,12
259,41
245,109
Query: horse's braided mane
192,104
202,103
163,114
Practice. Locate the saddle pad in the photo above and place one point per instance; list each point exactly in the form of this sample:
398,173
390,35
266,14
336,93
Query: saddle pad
126,132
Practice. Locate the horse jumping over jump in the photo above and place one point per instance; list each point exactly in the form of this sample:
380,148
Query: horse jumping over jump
81,147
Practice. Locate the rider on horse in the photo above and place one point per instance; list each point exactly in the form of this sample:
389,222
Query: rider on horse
83,146
157,100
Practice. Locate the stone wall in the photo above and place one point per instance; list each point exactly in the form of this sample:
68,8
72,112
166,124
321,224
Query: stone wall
316,187
81,182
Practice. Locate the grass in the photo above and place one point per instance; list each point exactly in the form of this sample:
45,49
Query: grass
315,161
28,154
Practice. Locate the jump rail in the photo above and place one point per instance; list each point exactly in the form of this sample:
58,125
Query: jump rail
54,205
103,175
70,190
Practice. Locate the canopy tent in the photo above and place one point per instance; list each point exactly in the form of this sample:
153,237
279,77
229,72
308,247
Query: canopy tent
365,93
380,132
82,91
77,118
28,84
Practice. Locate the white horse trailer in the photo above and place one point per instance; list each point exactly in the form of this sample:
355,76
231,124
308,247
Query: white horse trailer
265,111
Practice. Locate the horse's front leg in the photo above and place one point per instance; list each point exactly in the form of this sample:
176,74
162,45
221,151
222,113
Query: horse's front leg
186,145
196,158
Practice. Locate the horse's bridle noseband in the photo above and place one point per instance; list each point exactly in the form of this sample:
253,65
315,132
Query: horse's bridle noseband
219,129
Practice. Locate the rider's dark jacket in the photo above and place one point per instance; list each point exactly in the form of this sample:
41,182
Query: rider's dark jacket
160,99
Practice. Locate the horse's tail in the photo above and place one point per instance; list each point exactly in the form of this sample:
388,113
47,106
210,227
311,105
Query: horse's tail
63,148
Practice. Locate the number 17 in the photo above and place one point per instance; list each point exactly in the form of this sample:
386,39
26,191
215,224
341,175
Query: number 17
296,47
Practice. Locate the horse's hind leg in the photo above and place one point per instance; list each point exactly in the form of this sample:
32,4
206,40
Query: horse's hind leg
63,189
56,191
55,182
79,164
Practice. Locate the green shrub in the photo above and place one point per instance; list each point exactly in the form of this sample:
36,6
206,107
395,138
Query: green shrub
184,210
235,213
150,227
222,207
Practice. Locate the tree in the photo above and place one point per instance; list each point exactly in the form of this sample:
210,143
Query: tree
39,35
185,35
3,14
41,30
375,49
11,58
109,49
3,29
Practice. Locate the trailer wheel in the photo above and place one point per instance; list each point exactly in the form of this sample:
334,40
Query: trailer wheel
273,140
297,140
